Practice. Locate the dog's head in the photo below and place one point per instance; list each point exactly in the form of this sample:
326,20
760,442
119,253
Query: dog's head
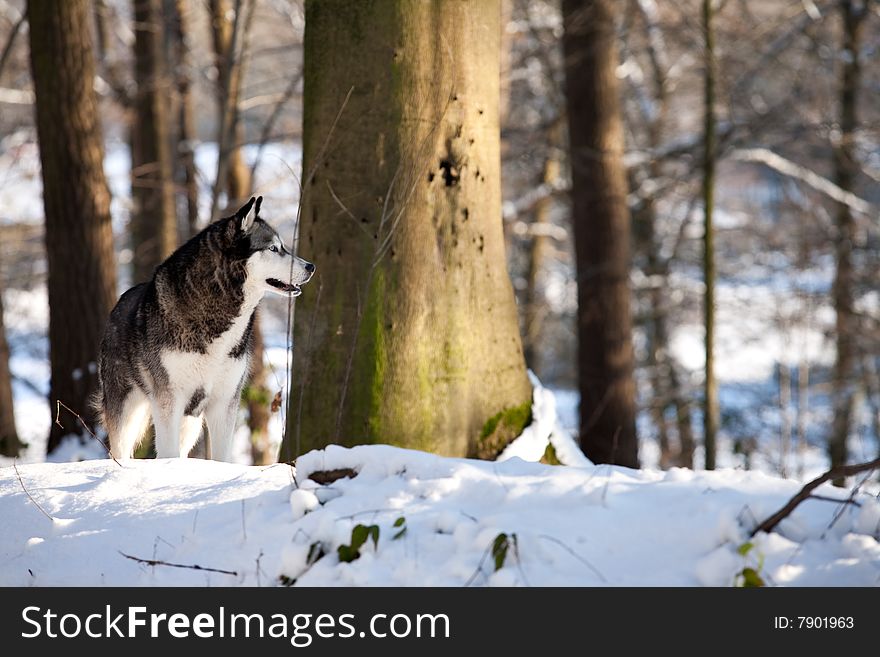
270,265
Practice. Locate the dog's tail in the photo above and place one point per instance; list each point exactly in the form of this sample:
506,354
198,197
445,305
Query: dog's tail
99,408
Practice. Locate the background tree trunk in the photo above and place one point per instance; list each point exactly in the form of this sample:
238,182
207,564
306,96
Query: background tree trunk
227,26
534,306
154,215
79,237
602,233
844,381
711,412
185,173
9,443
234,176
409,333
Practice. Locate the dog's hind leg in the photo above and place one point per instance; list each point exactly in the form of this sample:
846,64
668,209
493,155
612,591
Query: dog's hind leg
190,431
126,429
167,418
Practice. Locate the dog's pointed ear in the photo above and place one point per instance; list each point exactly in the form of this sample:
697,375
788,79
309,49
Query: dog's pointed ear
244,217
257,206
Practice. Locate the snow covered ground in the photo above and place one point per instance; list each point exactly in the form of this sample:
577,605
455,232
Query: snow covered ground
438,521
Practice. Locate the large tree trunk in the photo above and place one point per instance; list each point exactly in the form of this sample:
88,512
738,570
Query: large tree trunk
711,412
154,216
413,338
844,380
9,443
602,233
79,237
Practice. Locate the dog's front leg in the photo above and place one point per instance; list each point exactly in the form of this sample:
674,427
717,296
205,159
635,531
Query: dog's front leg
167,418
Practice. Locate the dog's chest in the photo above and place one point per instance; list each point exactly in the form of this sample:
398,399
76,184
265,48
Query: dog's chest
221,365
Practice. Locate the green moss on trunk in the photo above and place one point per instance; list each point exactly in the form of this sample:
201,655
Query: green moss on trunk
500,430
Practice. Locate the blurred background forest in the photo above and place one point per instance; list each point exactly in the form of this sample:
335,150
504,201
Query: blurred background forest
756,116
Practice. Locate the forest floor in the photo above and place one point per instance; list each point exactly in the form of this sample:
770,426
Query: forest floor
435,520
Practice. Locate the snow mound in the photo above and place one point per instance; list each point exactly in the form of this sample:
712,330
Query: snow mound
563,526
394,517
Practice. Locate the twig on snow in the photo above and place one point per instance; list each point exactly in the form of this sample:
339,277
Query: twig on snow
26,492
157,562
575,555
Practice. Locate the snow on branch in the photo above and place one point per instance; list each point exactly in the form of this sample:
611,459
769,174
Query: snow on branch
819,183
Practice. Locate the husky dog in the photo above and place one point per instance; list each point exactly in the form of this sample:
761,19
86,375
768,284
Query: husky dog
177,348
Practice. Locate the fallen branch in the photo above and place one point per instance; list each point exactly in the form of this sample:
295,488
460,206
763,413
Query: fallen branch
157,562
26,492
834,473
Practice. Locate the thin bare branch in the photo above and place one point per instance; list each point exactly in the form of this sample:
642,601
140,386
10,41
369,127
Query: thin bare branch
805,493
59,405
13,33
158,562
269,125
26,492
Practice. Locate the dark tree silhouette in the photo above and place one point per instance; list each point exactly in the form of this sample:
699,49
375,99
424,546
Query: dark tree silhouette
79,237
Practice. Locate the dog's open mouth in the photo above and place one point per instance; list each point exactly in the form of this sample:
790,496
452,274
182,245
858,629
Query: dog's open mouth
295,290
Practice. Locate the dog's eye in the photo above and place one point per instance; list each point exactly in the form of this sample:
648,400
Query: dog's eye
273,249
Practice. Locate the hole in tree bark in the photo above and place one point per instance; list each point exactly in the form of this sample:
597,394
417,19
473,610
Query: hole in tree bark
450,174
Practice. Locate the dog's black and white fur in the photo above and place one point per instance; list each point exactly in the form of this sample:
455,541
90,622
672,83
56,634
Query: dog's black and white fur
177,348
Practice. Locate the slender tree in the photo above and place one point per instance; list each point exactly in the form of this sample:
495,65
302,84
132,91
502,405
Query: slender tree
534,305
844,381
409,333
710,403
228,28
185,174
154,216
9,443
664,372
602,233
79,237
234,177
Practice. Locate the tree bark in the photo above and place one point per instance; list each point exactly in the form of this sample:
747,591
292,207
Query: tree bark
237,185
845,167
259,398
154,215
602,233
184,152
9,442
711,411
79,237
413,339
665,377
534,304
231,165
